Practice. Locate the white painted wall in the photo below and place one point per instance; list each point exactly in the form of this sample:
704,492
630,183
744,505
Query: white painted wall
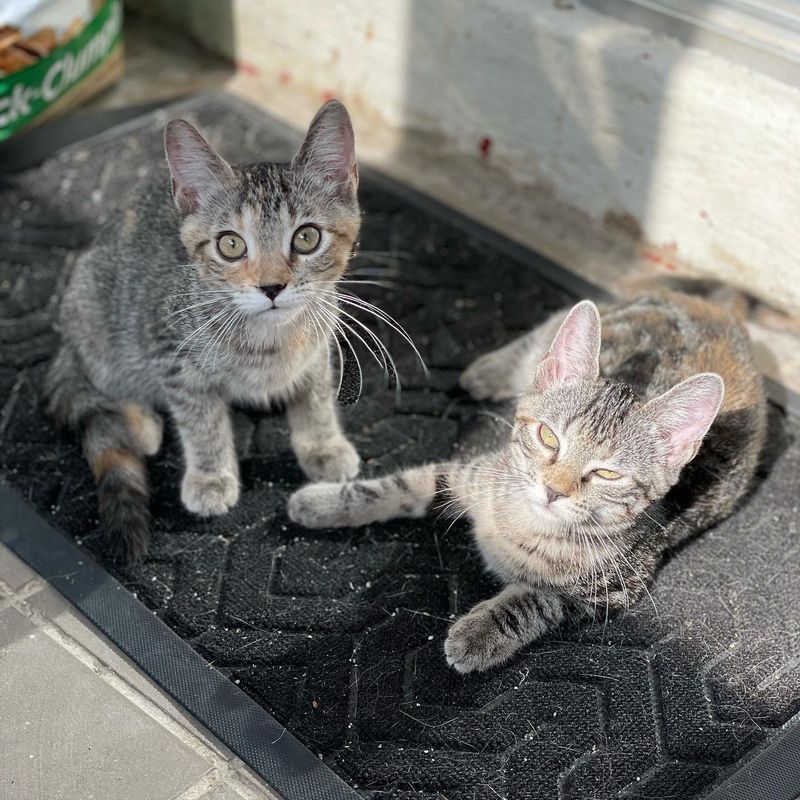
700,153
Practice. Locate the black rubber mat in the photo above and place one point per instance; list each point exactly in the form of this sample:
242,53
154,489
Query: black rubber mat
338,635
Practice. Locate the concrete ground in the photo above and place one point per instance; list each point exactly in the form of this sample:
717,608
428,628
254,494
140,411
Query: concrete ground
79,721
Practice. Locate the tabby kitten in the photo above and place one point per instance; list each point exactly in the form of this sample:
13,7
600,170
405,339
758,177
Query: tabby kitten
616,454
216,293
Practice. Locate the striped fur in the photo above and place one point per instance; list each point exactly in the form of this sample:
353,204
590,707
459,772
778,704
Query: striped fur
156,319
567,542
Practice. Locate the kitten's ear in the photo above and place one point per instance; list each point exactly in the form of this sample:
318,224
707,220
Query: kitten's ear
328,152
196,170
575,352
684,414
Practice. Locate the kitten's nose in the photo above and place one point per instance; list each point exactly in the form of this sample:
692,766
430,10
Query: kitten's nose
273,290
552,494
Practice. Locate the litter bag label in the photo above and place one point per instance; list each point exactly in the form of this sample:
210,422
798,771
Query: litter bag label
25,94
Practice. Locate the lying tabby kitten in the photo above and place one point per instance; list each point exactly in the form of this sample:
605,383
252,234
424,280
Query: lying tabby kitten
574,512
218,294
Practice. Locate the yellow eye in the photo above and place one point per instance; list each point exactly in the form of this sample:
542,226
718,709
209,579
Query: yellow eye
547,437
231,246
306,239
607,474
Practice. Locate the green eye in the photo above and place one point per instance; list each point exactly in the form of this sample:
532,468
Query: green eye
607,474
547,437
231,246
306,239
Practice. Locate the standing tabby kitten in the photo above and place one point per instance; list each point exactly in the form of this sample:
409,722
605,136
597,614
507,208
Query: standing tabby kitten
595,483
211,296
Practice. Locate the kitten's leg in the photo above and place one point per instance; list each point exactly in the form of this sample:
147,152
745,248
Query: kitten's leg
506,372
495,629
340,505
320,445
211,480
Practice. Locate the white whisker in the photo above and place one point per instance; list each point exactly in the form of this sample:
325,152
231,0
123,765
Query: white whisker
383,316
332,320
384,352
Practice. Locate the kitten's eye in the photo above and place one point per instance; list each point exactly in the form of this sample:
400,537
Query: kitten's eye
306,239
607,474
231,246
547,437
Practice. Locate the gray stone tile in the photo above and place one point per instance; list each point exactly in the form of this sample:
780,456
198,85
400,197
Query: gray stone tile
14,572
237,789
69,735
222,792
252,785
61,612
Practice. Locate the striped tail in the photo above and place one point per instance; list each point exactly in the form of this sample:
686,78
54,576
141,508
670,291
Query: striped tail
122,490
116,438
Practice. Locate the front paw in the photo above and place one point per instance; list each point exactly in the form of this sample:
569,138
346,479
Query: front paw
209,494
476,643
493,376
314,506
333,459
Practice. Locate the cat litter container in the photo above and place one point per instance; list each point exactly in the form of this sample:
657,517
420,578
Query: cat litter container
54,55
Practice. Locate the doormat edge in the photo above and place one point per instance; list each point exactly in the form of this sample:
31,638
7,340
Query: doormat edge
291,769
286,764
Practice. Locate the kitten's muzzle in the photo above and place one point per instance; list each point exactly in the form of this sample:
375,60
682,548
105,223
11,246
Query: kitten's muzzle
272,290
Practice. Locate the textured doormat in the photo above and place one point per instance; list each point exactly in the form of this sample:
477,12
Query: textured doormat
338,635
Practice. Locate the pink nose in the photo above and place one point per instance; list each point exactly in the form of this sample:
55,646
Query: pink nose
552,494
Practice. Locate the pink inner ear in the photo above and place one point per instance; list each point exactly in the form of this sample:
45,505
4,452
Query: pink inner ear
571,352
574,354
195,168
681,442
329,148
547,373
686,412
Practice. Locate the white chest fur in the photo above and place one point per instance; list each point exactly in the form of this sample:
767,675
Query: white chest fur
515,550
275,373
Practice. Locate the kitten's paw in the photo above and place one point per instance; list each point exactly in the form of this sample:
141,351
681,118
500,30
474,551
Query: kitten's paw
315,506
475,642
209,494
492,377
333,459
